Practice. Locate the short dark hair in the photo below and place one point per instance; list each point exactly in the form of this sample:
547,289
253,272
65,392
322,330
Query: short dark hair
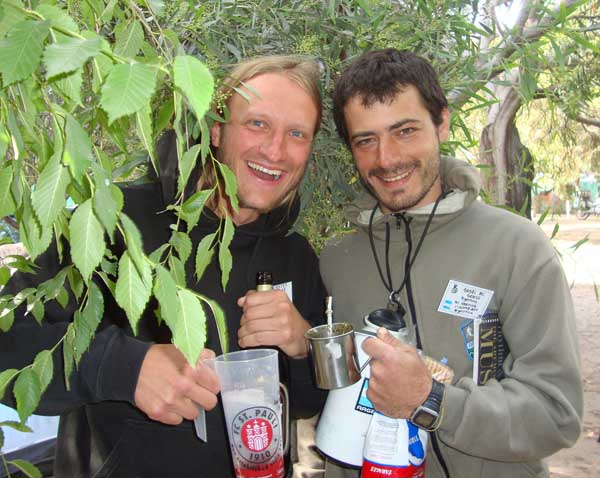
379,75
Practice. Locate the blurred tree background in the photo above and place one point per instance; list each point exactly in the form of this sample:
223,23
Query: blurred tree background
522,78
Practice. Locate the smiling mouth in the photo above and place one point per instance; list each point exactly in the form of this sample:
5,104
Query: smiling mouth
398,177
274,174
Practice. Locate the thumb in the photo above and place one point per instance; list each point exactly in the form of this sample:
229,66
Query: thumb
384,335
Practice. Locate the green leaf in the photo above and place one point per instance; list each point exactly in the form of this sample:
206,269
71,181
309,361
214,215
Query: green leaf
6,376
27,392
43,366
38,311
6,321
195,81
157,254
580,243
178,271
87,239
189,332
129,39
134,245
35,238
157,6
58,17
20,427
182,244
132,291
127,89
143,123
4,142
68,352
7,203
186,165
165,291
192,207
70,85
63,297
221,322
87,321
4,275
204,254
10,16
21,51
225,261
230,185
50,191
78,149
107,202
29,469
70,54
75,282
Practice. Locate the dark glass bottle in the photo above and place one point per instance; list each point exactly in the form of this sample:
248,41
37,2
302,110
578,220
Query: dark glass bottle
264,281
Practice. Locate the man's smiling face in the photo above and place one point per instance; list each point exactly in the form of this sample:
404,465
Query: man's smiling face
266,142
396,147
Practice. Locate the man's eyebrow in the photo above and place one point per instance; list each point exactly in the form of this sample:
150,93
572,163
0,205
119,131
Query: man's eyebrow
392,127
401,123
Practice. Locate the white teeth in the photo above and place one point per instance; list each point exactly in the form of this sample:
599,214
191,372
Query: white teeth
396,178
262,169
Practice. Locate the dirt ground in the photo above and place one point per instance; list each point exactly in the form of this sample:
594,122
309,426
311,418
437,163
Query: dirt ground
582,267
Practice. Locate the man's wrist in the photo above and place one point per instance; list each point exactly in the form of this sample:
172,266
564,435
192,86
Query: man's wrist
428,416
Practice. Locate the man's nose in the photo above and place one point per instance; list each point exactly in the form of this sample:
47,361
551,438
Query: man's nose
386,153
273,147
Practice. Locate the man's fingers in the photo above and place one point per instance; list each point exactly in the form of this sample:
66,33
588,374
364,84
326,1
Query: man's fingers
207,354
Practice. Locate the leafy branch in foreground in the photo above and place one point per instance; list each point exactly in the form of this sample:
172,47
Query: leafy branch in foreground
80,101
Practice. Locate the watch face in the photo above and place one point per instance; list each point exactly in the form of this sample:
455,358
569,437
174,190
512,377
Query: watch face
424,418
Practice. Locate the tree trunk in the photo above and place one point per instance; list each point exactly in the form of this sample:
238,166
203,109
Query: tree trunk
509,179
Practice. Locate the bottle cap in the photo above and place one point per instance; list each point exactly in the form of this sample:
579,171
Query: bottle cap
264,277
385,318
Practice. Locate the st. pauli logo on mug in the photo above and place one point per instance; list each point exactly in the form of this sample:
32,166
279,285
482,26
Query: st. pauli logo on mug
259,449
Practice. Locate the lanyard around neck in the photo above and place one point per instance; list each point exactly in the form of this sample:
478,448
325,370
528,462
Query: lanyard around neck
393,300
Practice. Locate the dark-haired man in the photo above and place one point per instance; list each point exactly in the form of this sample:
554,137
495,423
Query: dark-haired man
481,288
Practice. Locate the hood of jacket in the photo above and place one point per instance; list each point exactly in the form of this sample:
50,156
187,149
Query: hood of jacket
461,184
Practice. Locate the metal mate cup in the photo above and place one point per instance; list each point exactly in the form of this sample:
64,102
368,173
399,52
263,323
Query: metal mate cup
333,355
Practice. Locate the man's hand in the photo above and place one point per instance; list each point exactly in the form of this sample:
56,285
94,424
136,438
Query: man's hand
169,389
400,381
270,318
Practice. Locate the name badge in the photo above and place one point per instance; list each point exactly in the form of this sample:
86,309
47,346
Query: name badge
287,287
464,300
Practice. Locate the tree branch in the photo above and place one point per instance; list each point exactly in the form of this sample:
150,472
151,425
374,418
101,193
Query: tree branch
589,121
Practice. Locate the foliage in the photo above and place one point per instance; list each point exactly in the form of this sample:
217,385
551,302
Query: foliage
86,89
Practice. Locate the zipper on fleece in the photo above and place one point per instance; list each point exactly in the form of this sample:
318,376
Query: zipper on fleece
434,439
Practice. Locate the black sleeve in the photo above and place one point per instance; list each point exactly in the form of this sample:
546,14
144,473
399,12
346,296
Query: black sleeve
107,371
306,399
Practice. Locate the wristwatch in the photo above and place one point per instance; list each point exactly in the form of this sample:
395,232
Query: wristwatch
427,415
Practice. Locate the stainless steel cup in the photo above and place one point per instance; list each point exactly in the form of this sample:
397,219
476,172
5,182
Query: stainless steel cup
333,355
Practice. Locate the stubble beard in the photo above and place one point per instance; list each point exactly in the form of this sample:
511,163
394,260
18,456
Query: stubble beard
399,200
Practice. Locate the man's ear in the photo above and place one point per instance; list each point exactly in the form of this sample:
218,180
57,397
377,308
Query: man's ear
215,134
444,127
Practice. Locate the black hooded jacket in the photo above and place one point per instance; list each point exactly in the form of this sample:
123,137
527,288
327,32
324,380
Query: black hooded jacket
102,434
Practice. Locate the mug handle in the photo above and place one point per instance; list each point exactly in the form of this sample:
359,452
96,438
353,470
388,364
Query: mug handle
284,398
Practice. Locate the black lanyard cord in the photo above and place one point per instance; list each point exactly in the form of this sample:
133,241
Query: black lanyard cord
410,260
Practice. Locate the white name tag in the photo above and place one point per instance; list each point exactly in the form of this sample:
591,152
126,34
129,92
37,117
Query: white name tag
465,300
287,287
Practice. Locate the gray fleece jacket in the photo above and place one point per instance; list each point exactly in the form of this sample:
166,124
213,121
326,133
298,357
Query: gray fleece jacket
517,394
